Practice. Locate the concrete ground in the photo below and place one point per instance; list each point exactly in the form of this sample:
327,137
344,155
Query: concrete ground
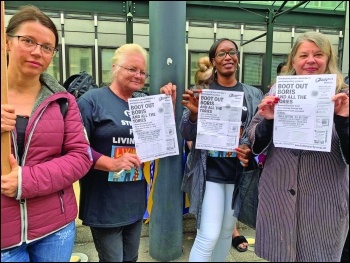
84,249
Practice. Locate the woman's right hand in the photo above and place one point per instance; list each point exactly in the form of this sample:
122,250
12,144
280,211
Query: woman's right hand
169,89
125,162
244,153
190,100
8,118
267,107
9,182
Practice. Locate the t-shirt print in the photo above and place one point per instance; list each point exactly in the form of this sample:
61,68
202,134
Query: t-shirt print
135,174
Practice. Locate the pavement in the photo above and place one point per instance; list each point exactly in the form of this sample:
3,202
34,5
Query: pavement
84,249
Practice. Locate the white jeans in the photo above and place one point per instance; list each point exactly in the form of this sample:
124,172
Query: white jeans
213,240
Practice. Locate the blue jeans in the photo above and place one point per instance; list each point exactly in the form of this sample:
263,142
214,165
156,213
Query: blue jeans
56,247
118,244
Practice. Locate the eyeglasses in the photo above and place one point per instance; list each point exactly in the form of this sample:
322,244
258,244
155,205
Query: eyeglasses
29,44
231,53
134,72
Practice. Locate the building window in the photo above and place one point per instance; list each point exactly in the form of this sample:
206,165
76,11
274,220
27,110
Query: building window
80,59
252,69
276,60
54,68
106,67
192,68
146,87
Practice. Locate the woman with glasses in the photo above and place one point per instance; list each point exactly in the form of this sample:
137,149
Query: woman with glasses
209,176
49,152
113,193
303,212
201,79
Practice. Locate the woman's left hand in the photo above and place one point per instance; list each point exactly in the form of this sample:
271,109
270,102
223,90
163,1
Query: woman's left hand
169,89
341,104
244,154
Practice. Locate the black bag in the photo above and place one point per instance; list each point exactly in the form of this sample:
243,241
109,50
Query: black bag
245,195
80,83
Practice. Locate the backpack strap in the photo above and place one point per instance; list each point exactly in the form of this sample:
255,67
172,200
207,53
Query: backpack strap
63,102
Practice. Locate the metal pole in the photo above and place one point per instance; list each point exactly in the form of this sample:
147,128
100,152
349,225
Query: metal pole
129,22
345,55
97,77
167,24
255,38
287,11
63,49
268,54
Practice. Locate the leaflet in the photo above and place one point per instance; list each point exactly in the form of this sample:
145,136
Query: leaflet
303,117
153,125
219,120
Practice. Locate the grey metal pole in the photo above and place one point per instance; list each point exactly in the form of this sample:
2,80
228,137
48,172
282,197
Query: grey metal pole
167,25
129,22
268,54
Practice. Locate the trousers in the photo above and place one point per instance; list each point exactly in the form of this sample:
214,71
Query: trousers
117,244
56,247
213,239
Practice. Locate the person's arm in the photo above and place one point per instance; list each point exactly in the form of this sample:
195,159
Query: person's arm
260,130
341,120
75,160
342,128
259,133
95,156
189,144
187,127
101,161
263,135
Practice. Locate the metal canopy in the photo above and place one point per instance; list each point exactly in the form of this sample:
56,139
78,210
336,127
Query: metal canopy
246,12
297,14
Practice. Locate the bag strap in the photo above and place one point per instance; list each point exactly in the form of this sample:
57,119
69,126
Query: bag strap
63,102
240,171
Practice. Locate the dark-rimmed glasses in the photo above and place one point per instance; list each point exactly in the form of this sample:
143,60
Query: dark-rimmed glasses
134,72
231,53
29,44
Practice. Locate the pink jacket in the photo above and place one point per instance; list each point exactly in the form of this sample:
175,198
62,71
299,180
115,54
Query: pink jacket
58,155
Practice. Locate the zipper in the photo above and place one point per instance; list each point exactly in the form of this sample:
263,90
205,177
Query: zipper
23,208
23,219
22,202
31,135
15,146
60,194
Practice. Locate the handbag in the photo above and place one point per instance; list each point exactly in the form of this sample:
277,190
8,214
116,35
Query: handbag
245,195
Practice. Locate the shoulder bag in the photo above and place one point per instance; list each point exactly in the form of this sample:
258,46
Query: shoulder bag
245,194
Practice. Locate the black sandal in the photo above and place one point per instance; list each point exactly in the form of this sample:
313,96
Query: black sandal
236,241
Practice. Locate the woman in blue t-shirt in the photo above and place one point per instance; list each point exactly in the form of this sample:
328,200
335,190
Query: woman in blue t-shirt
113,193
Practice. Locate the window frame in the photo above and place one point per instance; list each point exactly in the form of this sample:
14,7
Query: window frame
93,59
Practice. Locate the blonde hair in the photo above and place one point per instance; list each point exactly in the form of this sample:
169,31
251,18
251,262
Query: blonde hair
204,71
324,44
120,55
